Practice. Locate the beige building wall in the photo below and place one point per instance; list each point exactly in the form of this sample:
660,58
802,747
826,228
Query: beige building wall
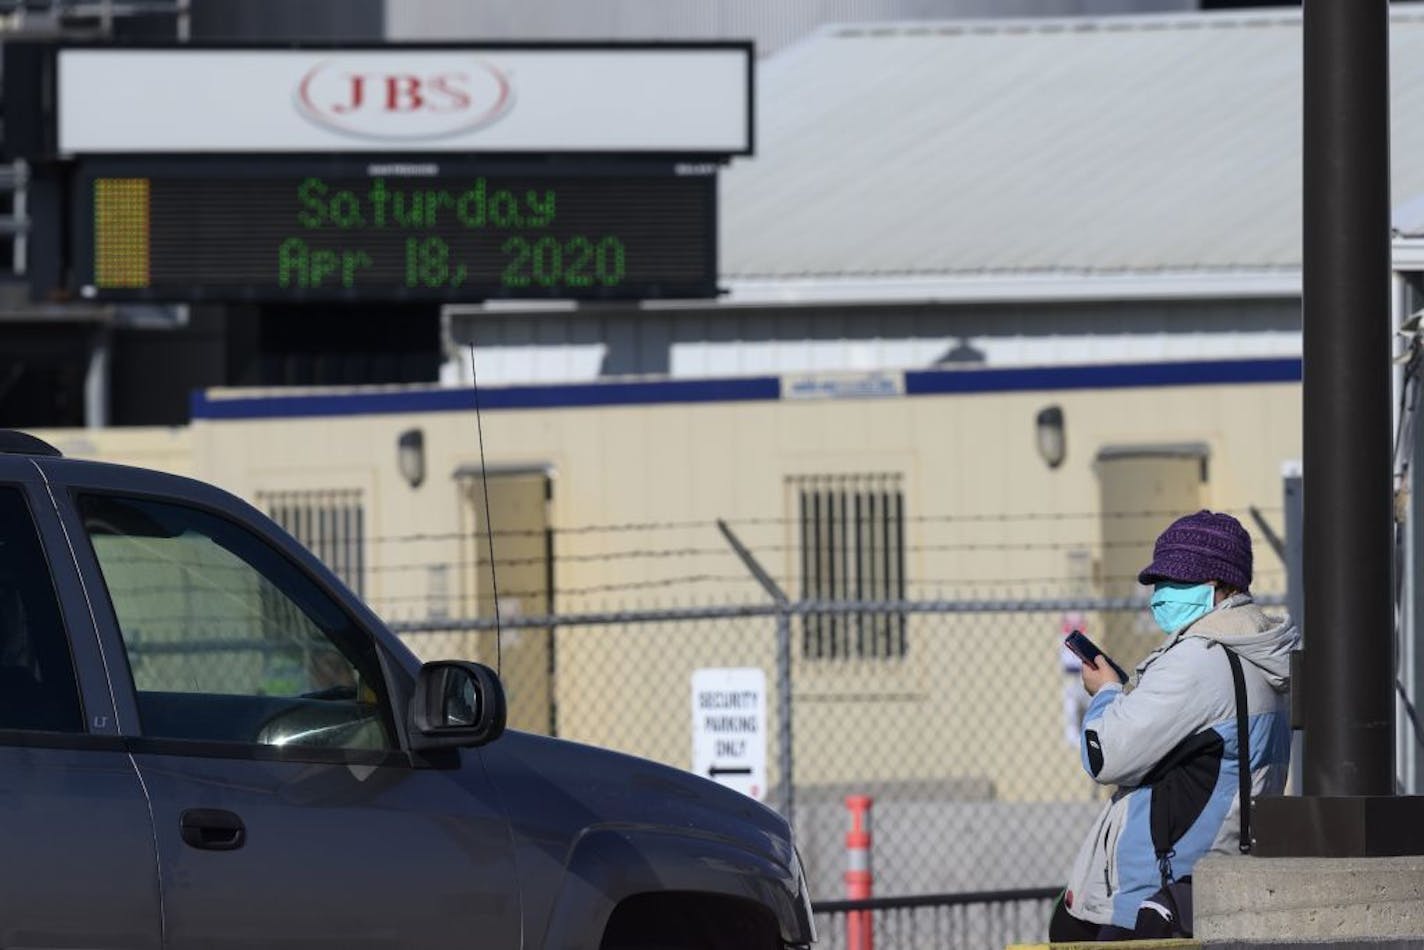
165,448
984,517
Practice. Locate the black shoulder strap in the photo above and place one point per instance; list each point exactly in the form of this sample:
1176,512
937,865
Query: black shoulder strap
1243,747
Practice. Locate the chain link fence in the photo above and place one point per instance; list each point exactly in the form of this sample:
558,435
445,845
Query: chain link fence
969,920
963,730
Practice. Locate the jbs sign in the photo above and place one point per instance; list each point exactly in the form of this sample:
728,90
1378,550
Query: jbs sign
348,98
688,99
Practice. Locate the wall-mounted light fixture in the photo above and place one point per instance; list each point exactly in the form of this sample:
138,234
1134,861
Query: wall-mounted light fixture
410,456
1052,443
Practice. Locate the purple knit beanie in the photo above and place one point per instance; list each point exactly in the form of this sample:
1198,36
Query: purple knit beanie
1206,546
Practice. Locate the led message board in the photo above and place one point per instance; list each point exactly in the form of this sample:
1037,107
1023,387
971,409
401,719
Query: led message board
191,230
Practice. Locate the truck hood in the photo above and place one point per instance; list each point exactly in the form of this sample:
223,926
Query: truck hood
560,796
554,783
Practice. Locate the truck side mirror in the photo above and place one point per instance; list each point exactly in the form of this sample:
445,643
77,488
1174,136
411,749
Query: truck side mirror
456,704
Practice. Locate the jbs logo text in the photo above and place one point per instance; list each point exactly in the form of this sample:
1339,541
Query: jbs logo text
350,97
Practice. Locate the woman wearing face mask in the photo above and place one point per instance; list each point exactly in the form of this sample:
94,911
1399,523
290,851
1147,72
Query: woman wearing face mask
1170,743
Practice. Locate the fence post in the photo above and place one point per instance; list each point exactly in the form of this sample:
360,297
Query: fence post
859,876
786,794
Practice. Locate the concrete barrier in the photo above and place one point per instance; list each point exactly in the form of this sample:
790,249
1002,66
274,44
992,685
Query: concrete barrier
1175,944
1331,901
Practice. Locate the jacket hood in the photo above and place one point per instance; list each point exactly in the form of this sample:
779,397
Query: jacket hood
1262,639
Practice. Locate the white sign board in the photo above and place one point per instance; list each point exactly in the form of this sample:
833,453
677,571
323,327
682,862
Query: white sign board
729,728
683,99
842,385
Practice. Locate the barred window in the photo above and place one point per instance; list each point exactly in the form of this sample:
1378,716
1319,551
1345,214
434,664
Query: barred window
852,548
331,523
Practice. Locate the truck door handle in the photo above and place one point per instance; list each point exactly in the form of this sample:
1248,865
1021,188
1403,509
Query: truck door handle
212,829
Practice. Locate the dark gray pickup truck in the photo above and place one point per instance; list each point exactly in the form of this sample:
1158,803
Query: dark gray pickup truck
207,741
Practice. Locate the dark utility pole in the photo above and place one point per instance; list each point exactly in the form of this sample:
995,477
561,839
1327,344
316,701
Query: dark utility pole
1349,614
1345,695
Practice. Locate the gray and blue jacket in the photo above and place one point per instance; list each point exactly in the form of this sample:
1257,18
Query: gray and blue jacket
1170,745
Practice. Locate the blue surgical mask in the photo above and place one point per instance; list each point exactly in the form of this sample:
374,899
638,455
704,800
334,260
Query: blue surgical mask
1176,605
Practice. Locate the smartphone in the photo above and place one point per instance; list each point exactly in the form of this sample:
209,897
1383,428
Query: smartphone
1089,653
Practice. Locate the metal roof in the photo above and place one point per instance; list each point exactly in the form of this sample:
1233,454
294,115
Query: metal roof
1018,150
770,24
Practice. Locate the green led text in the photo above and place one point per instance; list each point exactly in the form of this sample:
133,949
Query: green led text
427,264
423,236
299,265
412,208
548,262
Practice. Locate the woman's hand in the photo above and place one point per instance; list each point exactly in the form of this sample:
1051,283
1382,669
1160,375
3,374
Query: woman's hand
1096,677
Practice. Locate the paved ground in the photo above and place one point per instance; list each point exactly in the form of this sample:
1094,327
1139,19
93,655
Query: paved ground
1387,944
1411,944
936,847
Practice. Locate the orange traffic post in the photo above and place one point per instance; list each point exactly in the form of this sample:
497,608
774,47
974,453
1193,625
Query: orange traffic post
859,879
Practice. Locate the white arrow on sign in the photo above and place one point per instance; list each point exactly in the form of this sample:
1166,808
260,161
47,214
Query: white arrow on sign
729,728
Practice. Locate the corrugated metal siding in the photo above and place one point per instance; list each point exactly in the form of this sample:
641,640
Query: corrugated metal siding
562,347
1135,144
772,24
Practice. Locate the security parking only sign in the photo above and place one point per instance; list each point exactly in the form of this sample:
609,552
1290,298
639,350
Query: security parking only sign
729,728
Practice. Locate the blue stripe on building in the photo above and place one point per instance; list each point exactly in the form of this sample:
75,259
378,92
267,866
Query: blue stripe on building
744,389
503,397
1108,376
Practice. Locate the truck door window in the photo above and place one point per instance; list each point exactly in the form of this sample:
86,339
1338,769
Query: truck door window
226,639
37,684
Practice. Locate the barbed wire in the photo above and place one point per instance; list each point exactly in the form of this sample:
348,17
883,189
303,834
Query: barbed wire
783,521
194,574
787,582
1010,581
540,532
1029,517
966,546
799,608
847,546
580,591
661,554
